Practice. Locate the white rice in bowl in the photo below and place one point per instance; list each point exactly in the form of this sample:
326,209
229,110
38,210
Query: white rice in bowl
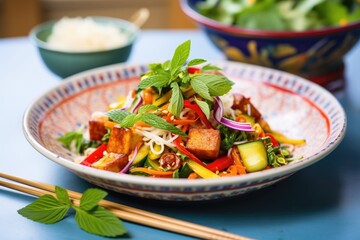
85,34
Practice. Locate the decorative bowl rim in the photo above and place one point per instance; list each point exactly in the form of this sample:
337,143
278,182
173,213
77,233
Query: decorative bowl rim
235,30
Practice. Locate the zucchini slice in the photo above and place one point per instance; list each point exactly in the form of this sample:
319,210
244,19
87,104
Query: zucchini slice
253,155
141,155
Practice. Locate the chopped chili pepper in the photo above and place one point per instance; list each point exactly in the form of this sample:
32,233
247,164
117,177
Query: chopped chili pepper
193,106
96,155
193,70
274,142
220,164
183,150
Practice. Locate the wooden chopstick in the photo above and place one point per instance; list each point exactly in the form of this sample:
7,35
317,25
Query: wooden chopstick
125,212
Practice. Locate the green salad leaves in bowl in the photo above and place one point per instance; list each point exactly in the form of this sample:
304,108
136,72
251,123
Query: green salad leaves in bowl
307,38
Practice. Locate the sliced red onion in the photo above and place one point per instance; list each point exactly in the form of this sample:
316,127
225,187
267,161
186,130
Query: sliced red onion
131,160
137,104
218,115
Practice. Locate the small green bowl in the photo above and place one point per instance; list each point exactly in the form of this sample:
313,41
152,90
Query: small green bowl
67,63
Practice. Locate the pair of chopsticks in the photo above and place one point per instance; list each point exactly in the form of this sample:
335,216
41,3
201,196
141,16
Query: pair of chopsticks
124,212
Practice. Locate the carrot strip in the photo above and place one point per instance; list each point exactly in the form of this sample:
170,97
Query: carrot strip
110,124
240,118
151,171
164,107
237,160
193,176
182,121
141,124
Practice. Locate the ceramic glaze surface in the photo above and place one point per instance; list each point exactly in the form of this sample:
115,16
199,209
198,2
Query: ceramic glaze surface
292,105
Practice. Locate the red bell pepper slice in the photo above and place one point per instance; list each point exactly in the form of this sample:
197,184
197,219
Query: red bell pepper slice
183,150
220,164
193,106
193,70
96,155
273,140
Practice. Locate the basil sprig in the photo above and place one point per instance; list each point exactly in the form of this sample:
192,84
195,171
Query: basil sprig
174,75
89,215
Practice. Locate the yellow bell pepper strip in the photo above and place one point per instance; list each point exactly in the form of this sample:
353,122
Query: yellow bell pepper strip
281,138
220,164
94,156
152,172
201,170
191,104
180,146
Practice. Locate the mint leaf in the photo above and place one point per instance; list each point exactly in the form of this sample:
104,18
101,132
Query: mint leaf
160,123
158,81
196,61
210,67
176,100
200,87
218,85
46,209
117,115
99,221
147,107
91,198
204,107
181,54
130,120
62,195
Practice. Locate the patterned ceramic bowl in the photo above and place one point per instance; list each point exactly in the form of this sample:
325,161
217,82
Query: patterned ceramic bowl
292,105
316,55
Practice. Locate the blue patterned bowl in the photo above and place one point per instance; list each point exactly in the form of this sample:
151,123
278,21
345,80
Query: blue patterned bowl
315,54
292,105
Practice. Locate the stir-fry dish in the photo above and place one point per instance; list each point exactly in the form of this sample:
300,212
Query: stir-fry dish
182,121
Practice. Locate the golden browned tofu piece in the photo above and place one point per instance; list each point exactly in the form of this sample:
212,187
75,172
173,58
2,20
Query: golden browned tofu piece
122,140
96,130
112,162
204,143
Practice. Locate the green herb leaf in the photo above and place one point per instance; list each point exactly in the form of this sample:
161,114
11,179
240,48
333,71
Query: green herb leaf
130,120
99,221
229,136
73,136
158,81
117,115
218,85
200,87
46,209
196,61
210,67
204,107
62,195
91,198
160,123
176,100
181,54
148,107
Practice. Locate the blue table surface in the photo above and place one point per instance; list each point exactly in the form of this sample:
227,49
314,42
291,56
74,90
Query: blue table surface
319,202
